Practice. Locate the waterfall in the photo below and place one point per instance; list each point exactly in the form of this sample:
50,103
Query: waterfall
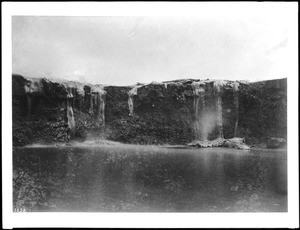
28,91
132,93
71,120
100,98
236,105
196,106
218,86
130,105
32,87
80,97
196,87
91,109
198,91
70,113
197,130
219,116
101,109
203,134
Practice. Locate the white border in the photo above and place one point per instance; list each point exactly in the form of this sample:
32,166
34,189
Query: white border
151,220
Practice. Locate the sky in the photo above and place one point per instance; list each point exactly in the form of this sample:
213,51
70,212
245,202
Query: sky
126,50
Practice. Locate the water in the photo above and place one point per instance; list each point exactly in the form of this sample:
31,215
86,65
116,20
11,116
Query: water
147,179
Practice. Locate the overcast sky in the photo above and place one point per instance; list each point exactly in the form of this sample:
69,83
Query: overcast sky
126,50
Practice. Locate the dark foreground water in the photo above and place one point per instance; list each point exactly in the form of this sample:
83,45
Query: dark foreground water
146,179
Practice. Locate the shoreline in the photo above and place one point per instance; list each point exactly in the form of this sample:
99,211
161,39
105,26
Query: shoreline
107,143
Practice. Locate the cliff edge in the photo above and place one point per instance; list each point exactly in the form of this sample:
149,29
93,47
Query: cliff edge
171,112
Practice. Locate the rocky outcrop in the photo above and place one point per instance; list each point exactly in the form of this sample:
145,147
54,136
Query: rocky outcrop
236,142
276,143
171,112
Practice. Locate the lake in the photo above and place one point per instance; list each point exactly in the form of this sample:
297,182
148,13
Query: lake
131,178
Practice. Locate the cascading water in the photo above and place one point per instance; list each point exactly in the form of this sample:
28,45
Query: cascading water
102,108
27,88
99,95
130,105
80,94
31,87
218,87
196,101
91,109
219,117
132,93
198,90
212,119
236,105
202,100
70,113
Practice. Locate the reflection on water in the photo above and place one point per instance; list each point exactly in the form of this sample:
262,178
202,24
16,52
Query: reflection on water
138,178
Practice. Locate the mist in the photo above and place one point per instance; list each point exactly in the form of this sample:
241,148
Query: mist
208,123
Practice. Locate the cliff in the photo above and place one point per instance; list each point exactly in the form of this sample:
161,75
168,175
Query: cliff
173,112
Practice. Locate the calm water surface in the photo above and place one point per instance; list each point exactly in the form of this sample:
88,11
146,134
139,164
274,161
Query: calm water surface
149,179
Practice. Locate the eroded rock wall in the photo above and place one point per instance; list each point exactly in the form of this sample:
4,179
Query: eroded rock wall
263,110
174,112
49,111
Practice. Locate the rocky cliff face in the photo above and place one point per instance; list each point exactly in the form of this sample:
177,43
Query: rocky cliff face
174,112
48,111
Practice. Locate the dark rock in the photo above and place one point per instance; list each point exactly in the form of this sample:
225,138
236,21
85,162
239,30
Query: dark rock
275,143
